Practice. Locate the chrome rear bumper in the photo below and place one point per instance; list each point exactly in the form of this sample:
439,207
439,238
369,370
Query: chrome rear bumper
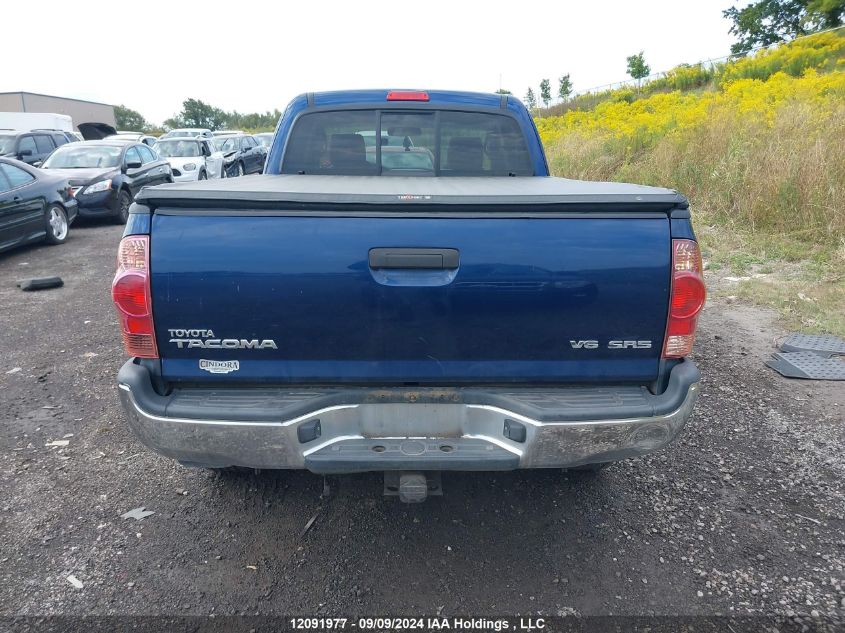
367,435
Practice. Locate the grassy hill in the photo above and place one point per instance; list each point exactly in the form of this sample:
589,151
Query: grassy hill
757,144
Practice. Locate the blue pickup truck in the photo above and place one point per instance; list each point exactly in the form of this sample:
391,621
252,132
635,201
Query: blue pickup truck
406,289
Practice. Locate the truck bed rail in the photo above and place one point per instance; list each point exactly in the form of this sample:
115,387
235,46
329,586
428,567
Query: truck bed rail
538,194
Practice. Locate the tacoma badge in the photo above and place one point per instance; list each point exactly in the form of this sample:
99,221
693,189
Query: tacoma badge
205,339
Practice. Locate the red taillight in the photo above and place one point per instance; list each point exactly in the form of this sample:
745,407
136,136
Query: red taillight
407,95
131,294
687,298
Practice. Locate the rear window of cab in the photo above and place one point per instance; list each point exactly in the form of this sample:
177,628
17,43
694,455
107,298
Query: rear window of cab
407,143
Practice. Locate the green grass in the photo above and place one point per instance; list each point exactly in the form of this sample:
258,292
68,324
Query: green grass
804,283
804,303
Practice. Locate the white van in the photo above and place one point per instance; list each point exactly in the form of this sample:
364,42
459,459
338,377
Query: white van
26,121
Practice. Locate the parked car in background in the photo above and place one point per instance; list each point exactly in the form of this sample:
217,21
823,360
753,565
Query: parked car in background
95,130
387,139
187,131
217,133
34,205
137,137
265,139
29,147
191,158
60,136
406,159
106,175
242,154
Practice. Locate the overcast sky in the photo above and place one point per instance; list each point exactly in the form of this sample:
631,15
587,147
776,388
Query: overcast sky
151,55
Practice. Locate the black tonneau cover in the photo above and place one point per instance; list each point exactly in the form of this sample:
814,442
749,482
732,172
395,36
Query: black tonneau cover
412,191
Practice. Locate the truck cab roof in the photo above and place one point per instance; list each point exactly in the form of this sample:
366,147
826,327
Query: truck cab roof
404,100
398,96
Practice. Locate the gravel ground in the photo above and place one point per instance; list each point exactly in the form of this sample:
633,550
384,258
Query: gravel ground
743,515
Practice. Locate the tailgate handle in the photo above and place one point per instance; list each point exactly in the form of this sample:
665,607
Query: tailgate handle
420,258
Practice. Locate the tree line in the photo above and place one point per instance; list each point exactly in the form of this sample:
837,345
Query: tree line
197,113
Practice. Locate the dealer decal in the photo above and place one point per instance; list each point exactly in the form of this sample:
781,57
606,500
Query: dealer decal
220,366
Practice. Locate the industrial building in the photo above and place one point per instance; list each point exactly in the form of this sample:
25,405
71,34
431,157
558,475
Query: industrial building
77,109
